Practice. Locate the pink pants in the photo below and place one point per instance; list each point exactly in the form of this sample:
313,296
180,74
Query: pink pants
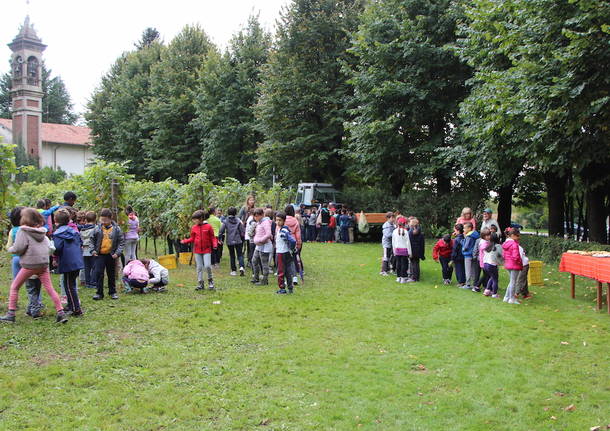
45,279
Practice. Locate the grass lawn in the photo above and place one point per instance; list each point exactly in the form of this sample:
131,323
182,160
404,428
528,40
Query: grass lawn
349,350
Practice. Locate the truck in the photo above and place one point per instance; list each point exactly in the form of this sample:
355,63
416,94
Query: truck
314,194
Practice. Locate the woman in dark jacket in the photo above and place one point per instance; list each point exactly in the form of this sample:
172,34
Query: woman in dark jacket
416,237
235,231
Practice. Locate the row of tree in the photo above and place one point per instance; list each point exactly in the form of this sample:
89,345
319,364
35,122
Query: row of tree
417,97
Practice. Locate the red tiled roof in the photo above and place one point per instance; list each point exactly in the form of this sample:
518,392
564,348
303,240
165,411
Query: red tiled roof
59,133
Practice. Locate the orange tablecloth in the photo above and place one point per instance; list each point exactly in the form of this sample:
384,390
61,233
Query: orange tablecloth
597,268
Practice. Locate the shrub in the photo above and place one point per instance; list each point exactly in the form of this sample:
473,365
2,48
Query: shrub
549,249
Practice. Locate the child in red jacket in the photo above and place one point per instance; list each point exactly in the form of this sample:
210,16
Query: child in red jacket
442,253
204,241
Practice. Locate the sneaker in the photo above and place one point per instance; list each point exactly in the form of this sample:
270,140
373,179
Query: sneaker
61,317
295,280
290,290
242,272
281,292
385,274
495,295
145,290
263,282
505,299
161,289
77,313
8,318
464,286
114,296
37,315
97,297
513,301
254,281
403,280
398,279
476,289
211,285
410,280
528,296
487,292
233,273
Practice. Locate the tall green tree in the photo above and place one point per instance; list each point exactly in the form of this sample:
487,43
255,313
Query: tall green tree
555,66
305,93
5,95
172,149
408,85
116,106
225,99
57,105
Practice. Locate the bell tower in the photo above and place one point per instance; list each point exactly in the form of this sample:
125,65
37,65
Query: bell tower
26,89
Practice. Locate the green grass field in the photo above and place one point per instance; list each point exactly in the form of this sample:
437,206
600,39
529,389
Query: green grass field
349,350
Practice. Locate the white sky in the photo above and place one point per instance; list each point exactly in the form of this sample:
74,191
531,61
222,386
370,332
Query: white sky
85,37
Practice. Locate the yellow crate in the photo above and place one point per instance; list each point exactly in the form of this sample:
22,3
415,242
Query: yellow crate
185,258
534,276
168,261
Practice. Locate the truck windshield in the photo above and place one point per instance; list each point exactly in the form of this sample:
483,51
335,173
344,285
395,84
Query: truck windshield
325,195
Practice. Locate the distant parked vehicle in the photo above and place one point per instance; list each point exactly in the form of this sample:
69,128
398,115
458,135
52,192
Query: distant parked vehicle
315,194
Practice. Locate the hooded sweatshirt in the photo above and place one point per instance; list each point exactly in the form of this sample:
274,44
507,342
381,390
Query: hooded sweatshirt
234,229
86,233
68,247
203,238
512,256
157,272
32,247
295,229
135,270
262,236
468,247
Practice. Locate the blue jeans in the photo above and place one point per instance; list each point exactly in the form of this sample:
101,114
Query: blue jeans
15,266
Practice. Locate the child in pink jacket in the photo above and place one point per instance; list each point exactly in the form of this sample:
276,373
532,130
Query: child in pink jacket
512,262
135,275
264,247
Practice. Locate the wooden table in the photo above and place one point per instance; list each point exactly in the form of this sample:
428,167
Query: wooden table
596,268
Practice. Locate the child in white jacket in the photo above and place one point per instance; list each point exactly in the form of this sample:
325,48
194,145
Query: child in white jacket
401,246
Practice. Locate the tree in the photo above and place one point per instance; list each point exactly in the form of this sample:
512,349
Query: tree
408,86
149,37
5,95
57,106
116,106
305,92
172,148
553,61
225,99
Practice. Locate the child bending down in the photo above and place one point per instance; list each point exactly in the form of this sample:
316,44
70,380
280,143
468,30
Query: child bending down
135,275
204,242
441,253
159,275
32,246
285,243
402,249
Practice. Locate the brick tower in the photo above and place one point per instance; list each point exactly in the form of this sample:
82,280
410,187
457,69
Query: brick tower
26,89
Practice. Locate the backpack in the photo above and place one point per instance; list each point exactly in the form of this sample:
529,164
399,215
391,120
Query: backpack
363,224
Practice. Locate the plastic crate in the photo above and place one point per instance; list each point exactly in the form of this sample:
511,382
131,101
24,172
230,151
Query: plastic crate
534,276
185,258
168,261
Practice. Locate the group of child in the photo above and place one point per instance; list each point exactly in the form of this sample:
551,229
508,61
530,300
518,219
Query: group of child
329,224
261,234
72,244
475,256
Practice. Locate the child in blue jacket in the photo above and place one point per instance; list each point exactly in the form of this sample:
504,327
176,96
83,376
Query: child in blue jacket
468,250
457,258
68,248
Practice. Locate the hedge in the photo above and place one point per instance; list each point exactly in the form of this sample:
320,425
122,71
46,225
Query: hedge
549,249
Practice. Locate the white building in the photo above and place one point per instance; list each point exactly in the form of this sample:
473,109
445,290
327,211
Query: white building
58,146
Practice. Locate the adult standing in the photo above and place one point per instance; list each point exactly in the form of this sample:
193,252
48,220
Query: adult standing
488,220
467,217
248,207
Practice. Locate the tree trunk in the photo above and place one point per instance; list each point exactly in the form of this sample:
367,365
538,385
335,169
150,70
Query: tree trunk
397,182
596,214
556,191
505,205
443,190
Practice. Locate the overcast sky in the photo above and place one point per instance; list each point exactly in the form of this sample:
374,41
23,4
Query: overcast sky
85,37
